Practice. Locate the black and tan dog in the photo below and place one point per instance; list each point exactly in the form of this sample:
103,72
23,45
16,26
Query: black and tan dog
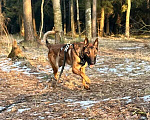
78,55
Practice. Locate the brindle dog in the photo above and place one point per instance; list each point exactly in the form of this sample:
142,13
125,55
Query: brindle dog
79,55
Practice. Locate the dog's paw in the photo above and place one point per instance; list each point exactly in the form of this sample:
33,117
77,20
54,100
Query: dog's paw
87,87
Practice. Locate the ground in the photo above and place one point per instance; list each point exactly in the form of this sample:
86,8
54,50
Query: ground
120,85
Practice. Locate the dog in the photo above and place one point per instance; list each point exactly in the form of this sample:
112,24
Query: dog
79,55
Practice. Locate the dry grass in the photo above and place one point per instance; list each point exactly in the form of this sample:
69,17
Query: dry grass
42,101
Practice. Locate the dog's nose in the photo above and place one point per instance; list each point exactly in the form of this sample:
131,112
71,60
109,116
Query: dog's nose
92,62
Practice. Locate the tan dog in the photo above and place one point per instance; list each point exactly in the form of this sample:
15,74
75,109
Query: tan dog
78,55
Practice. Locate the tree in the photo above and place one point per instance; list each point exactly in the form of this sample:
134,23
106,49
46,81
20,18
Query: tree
105,8
102,22
42,17
1,18
72,19
57,20
94,16
127,32
28,25
148,12
78,20
64,18
88,19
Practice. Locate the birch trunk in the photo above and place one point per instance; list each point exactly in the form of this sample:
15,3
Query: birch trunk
57,20
42,17
78,19
88,19
72,19
94,18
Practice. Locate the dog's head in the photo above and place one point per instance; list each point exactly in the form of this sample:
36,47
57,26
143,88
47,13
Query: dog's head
90,51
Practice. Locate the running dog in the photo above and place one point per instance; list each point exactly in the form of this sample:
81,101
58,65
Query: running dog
79,55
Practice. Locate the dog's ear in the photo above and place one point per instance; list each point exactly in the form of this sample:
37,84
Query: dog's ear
86,41
96,43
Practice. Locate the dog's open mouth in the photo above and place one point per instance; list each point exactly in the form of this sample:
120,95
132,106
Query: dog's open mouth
91,66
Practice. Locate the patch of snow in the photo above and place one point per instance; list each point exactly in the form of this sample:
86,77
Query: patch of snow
22,110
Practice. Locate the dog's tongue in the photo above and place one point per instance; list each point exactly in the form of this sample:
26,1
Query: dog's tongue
91,66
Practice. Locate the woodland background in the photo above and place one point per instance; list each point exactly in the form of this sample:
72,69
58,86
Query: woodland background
32,18
120,79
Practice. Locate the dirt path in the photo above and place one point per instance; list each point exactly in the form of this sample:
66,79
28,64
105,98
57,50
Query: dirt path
120,86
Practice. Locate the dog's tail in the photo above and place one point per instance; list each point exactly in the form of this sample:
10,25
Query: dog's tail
48,44
45,37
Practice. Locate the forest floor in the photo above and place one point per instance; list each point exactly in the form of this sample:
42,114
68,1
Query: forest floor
120,85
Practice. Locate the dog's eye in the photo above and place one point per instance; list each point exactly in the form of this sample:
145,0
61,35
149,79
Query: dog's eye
95,52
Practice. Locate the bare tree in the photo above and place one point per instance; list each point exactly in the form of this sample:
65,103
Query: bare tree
127,31
148,12
107,24
78,19
102,22
34,25
28,25
72,19
57,20
42,17
88,19
64,18
94,18
1,18
22,26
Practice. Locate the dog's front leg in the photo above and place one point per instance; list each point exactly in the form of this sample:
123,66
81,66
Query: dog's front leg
76,68
83,70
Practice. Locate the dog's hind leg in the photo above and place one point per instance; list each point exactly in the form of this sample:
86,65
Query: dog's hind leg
54,66
55,71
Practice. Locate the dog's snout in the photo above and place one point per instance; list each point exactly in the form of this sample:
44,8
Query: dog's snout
93,63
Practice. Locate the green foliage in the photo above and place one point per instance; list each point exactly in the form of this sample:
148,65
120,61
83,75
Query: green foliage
107,4
12,12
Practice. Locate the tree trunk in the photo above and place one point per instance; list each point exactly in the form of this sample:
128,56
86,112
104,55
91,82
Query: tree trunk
22,27
72,19
57,20
148,16
102,22
1,19
78,19
64,18
94,18
127,32
88,19
69,18
42,17
28,25
34,27
107,25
